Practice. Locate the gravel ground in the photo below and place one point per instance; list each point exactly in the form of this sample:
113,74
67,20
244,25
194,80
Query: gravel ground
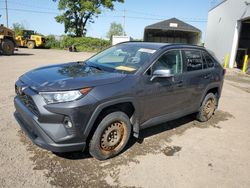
180,153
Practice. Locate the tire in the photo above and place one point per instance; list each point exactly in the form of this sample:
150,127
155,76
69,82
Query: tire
111,136
207,108
8,47
31,44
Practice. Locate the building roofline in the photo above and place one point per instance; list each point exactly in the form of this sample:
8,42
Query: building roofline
217,5
183,26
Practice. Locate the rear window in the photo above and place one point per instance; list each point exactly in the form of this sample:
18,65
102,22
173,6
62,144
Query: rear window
193,60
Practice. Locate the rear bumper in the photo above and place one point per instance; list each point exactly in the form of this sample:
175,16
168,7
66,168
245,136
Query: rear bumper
31,126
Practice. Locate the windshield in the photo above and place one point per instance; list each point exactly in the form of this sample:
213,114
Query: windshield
28,32
125,58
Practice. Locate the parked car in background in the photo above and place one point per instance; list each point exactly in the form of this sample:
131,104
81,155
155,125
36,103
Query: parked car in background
104,100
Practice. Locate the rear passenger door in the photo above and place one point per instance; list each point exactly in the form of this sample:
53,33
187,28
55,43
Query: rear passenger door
195,76
212,73
208,67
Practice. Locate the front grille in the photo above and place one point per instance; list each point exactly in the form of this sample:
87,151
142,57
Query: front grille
27,101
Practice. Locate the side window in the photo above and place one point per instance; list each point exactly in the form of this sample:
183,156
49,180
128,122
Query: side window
171,60
193,60
209,61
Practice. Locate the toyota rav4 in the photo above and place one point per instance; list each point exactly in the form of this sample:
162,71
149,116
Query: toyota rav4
99,103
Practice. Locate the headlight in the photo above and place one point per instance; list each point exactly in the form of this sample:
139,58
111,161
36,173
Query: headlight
64,96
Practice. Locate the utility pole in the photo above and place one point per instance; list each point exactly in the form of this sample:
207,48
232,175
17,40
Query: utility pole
6,13
124,20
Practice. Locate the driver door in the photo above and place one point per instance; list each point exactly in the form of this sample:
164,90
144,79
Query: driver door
164,95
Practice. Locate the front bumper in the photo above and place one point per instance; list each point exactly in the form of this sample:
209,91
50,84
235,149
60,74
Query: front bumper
33,128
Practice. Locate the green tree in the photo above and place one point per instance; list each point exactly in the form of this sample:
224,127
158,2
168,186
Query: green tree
77,13
18,28
115,29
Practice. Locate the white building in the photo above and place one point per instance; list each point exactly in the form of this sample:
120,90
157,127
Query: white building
120,39
228,31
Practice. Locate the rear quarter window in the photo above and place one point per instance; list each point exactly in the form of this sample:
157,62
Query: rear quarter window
209,62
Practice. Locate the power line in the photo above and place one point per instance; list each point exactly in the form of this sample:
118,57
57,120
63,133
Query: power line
161,19
32,11
26,5
146,17
162,16
118,16
141,13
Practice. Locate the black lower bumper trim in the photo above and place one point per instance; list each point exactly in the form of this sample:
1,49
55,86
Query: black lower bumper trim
39,138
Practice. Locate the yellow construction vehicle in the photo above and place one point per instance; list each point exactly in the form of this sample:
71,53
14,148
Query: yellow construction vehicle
30,39
7,40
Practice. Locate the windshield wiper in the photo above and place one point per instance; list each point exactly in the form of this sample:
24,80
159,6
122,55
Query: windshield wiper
89,65
95,67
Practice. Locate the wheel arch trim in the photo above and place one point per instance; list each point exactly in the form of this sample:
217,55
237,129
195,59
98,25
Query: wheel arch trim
212,86
134,119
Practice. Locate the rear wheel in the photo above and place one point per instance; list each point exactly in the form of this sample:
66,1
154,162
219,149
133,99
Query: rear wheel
207,108
111,136
30,44
8,47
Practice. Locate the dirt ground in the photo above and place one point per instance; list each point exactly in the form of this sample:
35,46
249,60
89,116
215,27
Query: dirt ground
180,153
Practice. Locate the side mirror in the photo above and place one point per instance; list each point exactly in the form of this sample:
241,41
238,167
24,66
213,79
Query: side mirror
161,73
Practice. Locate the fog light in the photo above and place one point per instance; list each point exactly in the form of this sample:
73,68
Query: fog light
67,123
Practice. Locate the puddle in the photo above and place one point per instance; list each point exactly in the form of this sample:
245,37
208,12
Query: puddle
72,169
80,170
171,150
218,117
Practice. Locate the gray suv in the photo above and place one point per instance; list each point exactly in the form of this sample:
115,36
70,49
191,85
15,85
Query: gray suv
99,103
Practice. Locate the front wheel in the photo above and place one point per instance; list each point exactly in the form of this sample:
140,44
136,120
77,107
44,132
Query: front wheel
8,47
111,136
31,44
207,108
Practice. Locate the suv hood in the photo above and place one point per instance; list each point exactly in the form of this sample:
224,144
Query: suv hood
70,76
